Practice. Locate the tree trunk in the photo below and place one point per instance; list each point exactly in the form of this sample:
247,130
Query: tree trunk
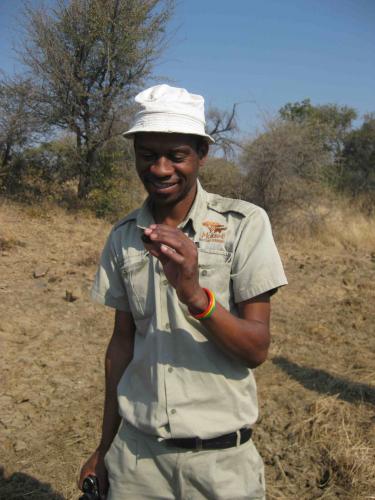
6,155
83,186
85,173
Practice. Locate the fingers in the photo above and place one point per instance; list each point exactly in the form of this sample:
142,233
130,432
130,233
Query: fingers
154,249
95,467
171,254
167,236
164,253
85,471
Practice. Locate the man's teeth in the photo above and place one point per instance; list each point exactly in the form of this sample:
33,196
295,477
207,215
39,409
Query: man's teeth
163,185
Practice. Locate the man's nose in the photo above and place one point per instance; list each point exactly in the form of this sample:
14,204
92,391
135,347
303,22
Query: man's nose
162,167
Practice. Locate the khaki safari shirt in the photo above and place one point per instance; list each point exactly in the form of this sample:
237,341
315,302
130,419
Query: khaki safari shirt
179,382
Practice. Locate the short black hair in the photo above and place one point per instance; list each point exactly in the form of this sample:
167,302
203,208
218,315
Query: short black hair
200,142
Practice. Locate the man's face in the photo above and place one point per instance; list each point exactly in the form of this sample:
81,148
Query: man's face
168,164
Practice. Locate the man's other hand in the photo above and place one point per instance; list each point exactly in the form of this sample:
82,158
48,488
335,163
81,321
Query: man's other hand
95,467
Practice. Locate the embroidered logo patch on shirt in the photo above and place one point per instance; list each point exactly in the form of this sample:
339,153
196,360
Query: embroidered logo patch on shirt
216,231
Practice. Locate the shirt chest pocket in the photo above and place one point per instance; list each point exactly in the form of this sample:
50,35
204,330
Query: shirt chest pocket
215,272
138,279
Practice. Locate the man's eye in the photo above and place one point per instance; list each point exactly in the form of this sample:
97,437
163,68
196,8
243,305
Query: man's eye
148,156
177,159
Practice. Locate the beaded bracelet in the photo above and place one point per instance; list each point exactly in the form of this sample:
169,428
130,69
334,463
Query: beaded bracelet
210,308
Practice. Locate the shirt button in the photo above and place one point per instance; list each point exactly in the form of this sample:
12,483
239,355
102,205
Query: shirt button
173,411
164,282
204,272
170,369
167,326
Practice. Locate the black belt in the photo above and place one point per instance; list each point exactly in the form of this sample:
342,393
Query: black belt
220,442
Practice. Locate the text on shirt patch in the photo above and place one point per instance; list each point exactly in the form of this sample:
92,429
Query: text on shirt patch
215,231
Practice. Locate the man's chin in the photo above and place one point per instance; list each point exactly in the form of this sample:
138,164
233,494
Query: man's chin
164,199
168,196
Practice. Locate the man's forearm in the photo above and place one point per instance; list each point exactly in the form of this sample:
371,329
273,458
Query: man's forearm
246,340
118,356
247,337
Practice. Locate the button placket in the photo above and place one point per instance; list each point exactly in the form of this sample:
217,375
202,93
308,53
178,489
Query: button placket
171,388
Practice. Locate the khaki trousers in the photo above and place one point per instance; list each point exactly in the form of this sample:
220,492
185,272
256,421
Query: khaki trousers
143,467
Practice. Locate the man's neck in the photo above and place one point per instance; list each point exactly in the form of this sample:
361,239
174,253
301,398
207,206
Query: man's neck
173,215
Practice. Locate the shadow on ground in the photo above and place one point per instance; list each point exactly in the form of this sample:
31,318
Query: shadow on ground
325,383
20,486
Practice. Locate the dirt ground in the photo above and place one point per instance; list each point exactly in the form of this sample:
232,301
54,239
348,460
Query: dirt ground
317,390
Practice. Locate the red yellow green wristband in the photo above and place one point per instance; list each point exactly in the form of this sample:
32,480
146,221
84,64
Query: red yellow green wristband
210,308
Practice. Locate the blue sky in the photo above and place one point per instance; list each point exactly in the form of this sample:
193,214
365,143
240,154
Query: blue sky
260,53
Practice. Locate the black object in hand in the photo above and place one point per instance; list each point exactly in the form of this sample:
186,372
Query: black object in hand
90,488
146,239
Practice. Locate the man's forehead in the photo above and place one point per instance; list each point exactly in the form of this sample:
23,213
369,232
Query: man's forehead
156,140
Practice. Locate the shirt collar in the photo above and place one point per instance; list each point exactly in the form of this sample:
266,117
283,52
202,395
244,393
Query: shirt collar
197,210
144,216
195,215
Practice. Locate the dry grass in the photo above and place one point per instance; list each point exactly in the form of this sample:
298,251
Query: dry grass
347,454
316,392
9,243
8,239
351,229
333,223
318,405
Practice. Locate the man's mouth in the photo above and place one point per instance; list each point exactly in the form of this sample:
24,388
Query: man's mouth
162,186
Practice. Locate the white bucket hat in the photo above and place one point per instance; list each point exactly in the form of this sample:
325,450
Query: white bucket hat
171,110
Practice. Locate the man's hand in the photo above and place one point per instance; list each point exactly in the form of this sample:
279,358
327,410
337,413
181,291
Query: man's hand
179,258
95,466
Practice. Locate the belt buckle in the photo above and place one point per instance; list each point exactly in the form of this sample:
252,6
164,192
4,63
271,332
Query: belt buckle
198,444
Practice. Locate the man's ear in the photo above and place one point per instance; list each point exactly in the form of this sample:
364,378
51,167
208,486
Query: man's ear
203,151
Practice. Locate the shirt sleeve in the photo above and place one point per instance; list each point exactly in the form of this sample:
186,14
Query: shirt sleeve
257,266
108,288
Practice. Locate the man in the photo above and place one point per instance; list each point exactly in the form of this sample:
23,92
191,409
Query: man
190,275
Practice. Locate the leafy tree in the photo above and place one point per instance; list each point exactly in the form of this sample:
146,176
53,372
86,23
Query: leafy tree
19,127
86,59
53,162
358,165
331,121
283,166
18,123
223,177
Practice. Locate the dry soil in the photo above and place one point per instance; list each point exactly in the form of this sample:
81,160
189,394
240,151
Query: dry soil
316,391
